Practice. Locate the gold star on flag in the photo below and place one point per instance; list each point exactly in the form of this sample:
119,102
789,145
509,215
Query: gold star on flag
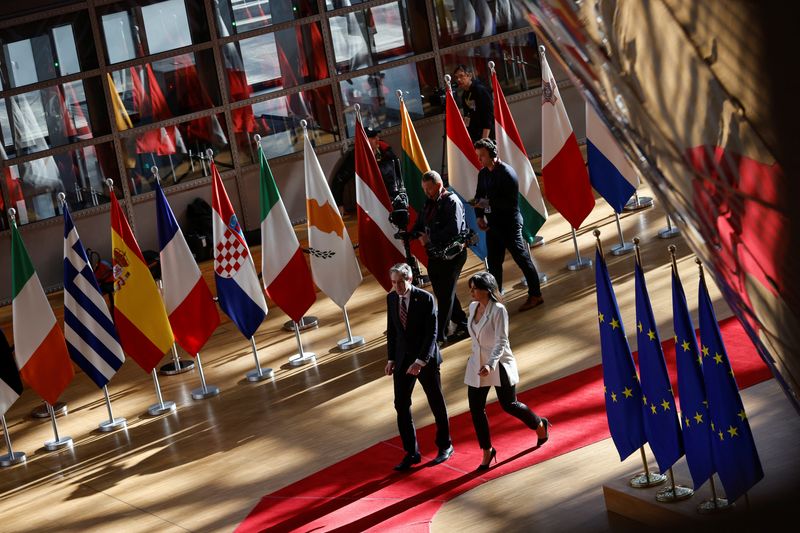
605,390
614,323
687,422
665,405
721,436
733,431
742,415
644,399
651,334
699,359
640,326
685,346
676,338
705,351
628,392
601,317
698,418
613,396
718,358
653,408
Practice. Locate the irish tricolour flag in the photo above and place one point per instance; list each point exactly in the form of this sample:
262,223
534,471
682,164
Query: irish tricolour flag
39,346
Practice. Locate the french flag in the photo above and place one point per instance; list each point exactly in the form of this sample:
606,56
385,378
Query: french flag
239,291
610,172
188,300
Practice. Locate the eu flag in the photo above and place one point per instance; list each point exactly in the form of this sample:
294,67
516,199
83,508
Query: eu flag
621,386
691,389
732,445
662,428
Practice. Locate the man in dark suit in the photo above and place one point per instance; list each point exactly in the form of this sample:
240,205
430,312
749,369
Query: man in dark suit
414,355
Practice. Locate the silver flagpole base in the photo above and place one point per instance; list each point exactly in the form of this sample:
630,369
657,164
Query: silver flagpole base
642,481
160,409
638,202
537,241
202,394
300,359
349,344
307,322
680,493
622,249
579,264
110,425
710,507
184,365
60,408
63,442
10,459
668,233
260,374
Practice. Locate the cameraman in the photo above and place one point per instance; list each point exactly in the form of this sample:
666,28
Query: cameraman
438,226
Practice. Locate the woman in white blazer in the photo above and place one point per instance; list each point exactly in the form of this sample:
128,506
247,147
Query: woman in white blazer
493,365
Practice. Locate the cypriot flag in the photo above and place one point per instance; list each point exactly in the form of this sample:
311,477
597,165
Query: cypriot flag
333,261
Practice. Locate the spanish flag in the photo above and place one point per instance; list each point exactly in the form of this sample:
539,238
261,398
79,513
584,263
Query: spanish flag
139,313
413,165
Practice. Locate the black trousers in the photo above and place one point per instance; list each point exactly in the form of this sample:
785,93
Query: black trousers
430,379
507,235
507,396
444,275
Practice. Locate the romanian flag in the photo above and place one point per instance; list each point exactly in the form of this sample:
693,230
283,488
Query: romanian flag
40,348
412,166
139,313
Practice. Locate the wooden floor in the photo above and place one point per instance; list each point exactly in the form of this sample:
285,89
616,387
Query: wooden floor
204,467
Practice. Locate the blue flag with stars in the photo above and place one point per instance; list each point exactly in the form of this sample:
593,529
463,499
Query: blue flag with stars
732,445
691,389
661,425
621,386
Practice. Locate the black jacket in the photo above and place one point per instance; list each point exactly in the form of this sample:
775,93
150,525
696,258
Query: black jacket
418,339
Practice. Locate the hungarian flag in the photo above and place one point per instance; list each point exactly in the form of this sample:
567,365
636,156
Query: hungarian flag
10,384
374,228
512,151
39,345
610,172
284,270
462,168
238,289
412,166
191,309
566,182
333,261
139,313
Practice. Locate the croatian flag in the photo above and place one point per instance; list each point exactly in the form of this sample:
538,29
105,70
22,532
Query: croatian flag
190,306
610,172
92,340
238,289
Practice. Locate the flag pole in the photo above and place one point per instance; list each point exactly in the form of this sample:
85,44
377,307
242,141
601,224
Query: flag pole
350,342
301,357
638,203
580,262
715,504
670,231
623,247
112,423
259,374
205,391
12,457
58,442
674,493
161,407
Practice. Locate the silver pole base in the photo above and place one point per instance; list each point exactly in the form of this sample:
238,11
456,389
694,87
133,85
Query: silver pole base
643,481
579,264
347,344
209,392
537,241
260,374
10,459
170,370
307,322
63,442
680,493
110,425
158,409
622,249
60,408
642,203
300,359
709,507
668,233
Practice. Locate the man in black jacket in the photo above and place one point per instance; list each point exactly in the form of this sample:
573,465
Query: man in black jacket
477,104
414,355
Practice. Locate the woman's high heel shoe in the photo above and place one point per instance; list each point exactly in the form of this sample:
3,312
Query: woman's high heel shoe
492,455
546,425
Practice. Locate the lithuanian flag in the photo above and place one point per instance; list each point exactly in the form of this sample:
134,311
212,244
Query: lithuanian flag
139,313
412,166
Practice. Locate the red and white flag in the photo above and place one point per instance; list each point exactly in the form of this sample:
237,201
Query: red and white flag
381,250
566,180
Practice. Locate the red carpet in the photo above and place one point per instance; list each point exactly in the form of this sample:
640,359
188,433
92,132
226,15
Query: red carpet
363,492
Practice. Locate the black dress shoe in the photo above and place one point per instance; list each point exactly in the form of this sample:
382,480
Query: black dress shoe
541,440
444,455
409,460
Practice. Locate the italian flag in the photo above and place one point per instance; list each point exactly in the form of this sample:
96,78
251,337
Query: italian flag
413,165
40,349
285,273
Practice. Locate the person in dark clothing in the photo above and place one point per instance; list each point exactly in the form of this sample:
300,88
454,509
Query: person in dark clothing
387,161
477,104
441,222
497,209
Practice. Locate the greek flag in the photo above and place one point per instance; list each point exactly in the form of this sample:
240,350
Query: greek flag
92,340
